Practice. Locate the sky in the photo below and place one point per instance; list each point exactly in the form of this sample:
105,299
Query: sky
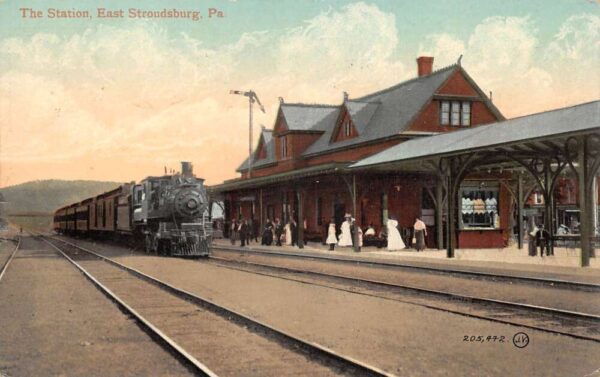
119,98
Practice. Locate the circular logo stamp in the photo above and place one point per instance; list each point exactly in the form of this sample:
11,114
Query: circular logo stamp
520,340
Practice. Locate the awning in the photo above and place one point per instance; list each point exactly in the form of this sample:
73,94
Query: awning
289,176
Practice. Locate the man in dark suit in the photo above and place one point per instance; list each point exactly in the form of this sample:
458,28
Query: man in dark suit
244,233
278,232
294,230
542,239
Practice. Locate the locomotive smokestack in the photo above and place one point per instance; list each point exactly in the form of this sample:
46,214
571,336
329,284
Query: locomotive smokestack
187,170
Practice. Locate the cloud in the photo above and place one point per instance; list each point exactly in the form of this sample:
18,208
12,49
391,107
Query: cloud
118,101
141,94
444,48
574,56
337,47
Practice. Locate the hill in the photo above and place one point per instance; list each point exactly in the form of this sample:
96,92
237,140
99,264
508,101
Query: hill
47,196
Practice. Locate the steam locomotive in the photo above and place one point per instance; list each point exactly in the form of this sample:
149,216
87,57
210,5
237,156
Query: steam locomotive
170,214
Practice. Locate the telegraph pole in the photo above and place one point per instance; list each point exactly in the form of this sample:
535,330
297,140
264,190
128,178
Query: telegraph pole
251,98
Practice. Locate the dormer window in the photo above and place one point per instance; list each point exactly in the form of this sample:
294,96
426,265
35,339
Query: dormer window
455,113
284,147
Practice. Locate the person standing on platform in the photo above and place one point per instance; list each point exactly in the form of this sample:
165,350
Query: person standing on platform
234,231
324,231
267,236
420,230
243,232
278,232
346,234
305,227
288,233
255,229
331,238
394,241
249,226
359,236
294,231
542,239
532,234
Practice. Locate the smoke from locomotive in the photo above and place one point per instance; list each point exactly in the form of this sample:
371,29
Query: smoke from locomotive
169,212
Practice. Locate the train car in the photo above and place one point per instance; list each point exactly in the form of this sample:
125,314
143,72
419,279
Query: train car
71,219
82,216
59,223
170,213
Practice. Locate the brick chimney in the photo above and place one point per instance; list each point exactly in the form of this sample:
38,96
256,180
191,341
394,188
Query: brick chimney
424,65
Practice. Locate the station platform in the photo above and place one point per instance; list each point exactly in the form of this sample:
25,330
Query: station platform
564,264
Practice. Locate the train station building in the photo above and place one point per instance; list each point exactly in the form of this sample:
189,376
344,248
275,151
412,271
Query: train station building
435,147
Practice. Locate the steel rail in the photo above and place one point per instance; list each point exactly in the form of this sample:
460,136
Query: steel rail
512,305
361,366
3,270
189,360
444,271
426,290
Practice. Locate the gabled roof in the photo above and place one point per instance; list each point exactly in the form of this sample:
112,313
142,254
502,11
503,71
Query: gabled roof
304,117
397,107
266,137
555,123
379,115
360,114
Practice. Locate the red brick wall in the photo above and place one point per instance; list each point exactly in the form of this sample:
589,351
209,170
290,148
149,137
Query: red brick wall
404,201
457,85
480,239
300,142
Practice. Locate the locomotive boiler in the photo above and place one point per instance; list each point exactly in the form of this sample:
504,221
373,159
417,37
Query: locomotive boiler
169,213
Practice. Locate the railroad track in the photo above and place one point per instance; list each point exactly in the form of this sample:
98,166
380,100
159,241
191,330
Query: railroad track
10,258
559,283
558,321
196,328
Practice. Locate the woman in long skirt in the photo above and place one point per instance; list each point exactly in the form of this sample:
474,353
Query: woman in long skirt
233,234
346,234
420,233
394,241
331,238
288,233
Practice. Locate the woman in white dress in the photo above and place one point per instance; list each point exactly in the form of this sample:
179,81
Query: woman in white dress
346,235
331,238
288,234
394,241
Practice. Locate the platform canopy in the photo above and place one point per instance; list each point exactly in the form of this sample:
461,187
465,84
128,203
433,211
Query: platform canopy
532,135
544,145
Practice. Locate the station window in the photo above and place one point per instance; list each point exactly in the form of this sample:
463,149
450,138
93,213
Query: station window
479,206
445,113
455,113
284,147
347,128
